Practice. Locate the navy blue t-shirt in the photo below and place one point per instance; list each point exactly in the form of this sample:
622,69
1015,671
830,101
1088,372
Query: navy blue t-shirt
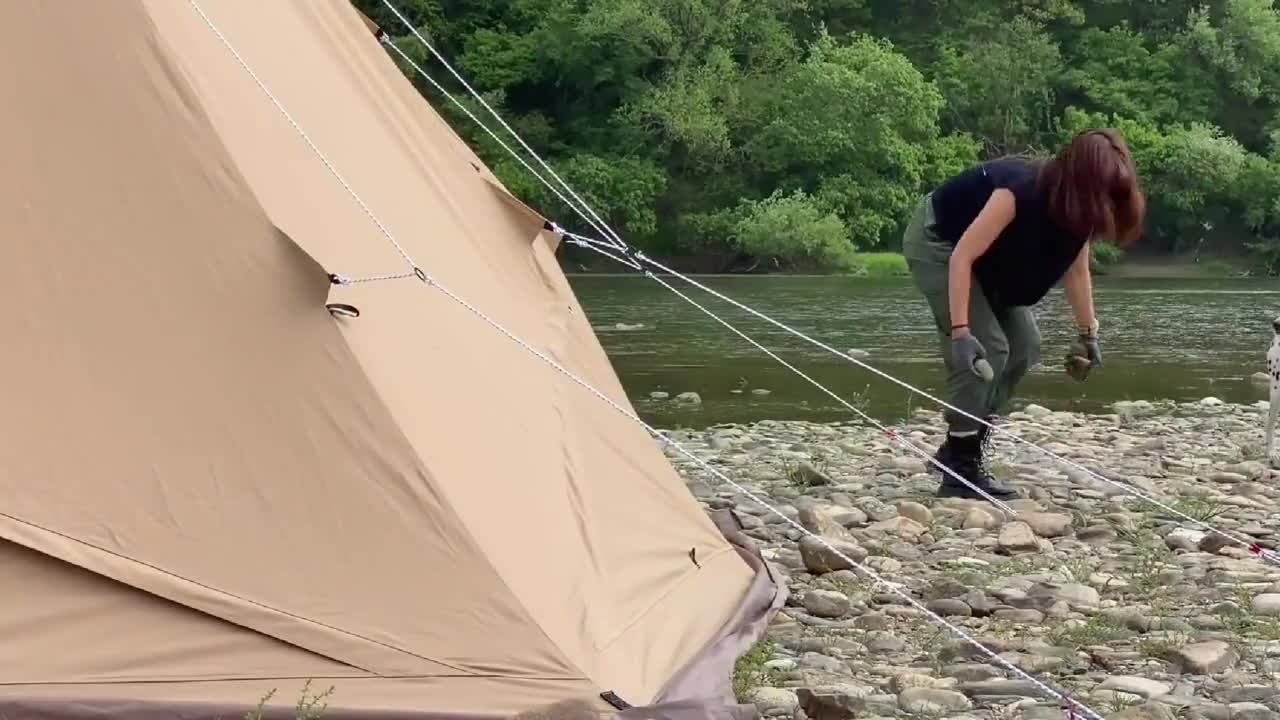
1031,255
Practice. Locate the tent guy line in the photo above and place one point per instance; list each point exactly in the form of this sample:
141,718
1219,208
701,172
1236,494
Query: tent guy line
888,432
594,220
303,134
431,282
338,279
1253,548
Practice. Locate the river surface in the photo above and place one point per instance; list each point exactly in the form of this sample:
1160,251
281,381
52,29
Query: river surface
1162,339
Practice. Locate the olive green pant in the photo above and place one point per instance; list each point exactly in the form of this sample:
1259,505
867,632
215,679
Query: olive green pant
1009,335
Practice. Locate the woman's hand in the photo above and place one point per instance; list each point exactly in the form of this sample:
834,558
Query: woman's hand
966,350
1094,353
1092,348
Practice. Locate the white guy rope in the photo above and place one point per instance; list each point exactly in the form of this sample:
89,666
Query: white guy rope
616,240
306,138
344,280
888,432
600,225
431,282
597,246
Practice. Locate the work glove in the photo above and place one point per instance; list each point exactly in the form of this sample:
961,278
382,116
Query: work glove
1089,339
1085,353
967,350
1092,349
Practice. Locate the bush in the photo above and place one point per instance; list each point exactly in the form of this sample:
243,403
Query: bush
883,265
793,230
1103,255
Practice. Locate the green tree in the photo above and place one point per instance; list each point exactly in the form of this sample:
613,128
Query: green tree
798,131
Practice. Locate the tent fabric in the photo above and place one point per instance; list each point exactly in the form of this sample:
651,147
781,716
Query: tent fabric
212,487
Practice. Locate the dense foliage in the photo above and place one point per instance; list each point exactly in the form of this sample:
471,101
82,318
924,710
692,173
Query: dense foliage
799,131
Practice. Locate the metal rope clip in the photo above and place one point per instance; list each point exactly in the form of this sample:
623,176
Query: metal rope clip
337,279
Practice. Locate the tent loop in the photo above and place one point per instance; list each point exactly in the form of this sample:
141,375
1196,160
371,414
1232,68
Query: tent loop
612,698
337,309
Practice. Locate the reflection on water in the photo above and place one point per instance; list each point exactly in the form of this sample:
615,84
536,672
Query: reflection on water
1181,339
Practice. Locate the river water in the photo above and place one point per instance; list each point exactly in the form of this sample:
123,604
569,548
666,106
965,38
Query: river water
1163,339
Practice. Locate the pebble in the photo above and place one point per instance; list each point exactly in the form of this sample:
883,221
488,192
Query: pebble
1142,615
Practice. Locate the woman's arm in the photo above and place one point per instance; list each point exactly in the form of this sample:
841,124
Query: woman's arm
1078,285
977,238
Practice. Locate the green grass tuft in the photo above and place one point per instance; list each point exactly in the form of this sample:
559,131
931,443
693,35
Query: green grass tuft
882,265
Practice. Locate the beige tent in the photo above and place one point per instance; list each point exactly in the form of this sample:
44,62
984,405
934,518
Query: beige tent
212,487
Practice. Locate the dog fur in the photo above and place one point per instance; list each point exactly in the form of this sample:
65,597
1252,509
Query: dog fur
1273,375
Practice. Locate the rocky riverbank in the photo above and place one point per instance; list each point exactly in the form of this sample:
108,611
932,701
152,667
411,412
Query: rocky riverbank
1129,609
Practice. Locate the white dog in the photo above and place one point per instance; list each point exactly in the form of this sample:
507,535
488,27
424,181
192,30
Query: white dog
1273,379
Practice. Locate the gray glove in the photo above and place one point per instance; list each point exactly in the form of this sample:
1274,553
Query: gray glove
965,351
1092,350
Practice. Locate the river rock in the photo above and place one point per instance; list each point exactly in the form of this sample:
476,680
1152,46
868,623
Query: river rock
833,702
1267,604
774,702
826,603
1149,710
689,398
903,527
1018,537
947,607
932,701
1250,711
915,511
820,559
821,520
1136,686
1205,658
1037,412
1048,525
978,519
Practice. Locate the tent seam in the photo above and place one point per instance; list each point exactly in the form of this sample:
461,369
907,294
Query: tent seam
224,593
167,681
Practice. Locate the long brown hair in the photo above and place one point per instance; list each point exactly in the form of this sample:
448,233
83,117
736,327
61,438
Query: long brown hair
1091,188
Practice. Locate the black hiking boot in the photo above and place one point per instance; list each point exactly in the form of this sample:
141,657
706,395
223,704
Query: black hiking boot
964,457
985,435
